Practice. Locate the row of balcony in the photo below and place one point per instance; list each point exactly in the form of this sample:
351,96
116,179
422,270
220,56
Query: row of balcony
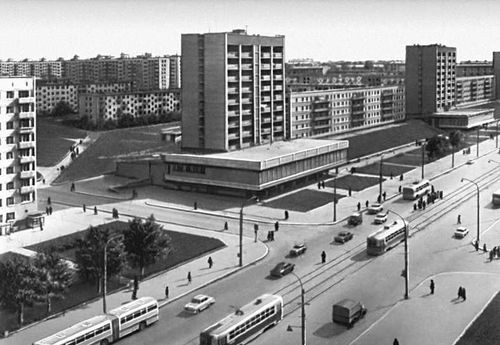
247,55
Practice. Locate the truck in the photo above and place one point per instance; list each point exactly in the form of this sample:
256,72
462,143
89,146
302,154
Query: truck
355,219
347,312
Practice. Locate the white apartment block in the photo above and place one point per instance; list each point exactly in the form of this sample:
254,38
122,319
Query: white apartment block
101,107
41,69
49,94
17,149
326,112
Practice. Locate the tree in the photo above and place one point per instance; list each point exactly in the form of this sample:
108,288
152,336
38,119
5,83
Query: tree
145,242
62,108
54,277
456,138
436,146
19,284
89,256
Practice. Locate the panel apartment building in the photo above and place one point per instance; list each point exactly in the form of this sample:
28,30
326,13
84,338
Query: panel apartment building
17,149
233,90
41,69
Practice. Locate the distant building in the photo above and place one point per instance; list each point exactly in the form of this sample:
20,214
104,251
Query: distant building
475,90
233,90
496,72
430,79
18,196
101,107
464,119
41,69
474,68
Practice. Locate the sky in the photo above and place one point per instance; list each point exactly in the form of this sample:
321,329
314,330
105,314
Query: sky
324,30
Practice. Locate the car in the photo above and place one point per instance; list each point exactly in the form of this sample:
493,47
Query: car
380,218
461,232
355,219
298,249
470,162
199,303
282,268
375,208
343,237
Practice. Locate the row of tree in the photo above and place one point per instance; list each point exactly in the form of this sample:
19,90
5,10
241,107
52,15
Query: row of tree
125,121
25,281
438,145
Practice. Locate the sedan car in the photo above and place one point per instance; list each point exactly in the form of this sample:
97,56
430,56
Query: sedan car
281,269
343,236
375,208
199,303
461,232
298,249
380,218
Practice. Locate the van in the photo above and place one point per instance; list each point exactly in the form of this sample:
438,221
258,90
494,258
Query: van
355,219
347,312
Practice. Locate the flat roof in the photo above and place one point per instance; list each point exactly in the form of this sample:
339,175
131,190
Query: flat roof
262,156
467,111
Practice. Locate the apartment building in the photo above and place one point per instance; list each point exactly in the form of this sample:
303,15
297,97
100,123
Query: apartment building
496,72
50,93
474,90
41,69
317,113
17,150
430,79
101,107
233,90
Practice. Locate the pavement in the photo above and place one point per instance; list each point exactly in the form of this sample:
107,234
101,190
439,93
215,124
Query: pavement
74,219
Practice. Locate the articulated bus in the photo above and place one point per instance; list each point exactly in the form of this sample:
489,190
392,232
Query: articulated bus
385,238
416,190
251,319
496,198
108,328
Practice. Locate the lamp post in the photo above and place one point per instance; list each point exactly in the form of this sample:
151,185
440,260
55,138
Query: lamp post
380,179
303,308
241,228
407,256
478,217
335,198
423,157
105,277
497,135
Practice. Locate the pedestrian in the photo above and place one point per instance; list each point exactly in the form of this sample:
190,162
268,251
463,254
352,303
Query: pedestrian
323,257
195,205
384,195
367,203
47,210
432,287
379,199
395,342
484,247
73,187
95,210
189,277
41,226
441,194
460,294
464,294
414,207
286,214
269,235
401,177
476,245
392,175
432,189
323,184
350,191
276,226
43,181
423,205
50,210
399,189
48,200
84,208
136,283
134,294
210,262
491,255
226,226
166,291
272,235
359,206
319,185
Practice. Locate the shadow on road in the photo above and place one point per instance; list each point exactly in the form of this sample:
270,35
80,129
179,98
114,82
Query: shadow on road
329,330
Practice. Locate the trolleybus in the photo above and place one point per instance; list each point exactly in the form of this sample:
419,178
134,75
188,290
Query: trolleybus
385,238
496,197
416,190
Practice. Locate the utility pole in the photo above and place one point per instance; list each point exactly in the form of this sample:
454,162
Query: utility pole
335,199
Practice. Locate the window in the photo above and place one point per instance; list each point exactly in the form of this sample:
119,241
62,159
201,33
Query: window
10,201
10,125
10,94
10,140
10,155
10,185
10,170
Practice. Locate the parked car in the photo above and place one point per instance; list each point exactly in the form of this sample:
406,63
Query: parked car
461,232
298,249
355,219
281,269
199,303
375,208
343,237
380,218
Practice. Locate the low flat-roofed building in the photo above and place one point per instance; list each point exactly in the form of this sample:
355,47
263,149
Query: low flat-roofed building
172,134
263,170
464,118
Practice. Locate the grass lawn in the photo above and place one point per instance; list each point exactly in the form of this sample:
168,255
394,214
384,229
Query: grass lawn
485,330
356,183
53,140
413,157
100,157
303,200
374,169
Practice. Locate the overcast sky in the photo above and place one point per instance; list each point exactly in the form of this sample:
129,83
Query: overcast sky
319,29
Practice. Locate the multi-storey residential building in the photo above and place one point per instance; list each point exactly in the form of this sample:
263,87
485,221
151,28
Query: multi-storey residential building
41,69
316,113
17,149
175,72
233,90
474,90
496,72
474,68
49,93
101,107
430,79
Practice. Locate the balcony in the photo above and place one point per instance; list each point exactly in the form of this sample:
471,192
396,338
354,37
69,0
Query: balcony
278,77
232,79
233,125
247,123
278,128
277,66
26,130
246,100
265,66
246,89
27,189
266,55
23,100
265,109
27,174
278,55
266,77
233,113
232,67
26,159
25,145
278,87
27,115
278,118
278,97
232,55
246,66
278,108
232,102
247,134
266,120
246,55
232,90
266,99
246,78
266,88
232,136
246,112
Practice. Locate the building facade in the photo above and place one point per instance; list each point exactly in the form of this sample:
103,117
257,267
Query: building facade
317,113
101,107
496,72
41,69
430,79
475,90
18,196
233,90
474,68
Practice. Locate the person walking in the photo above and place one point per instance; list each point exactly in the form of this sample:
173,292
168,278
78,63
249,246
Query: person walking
367,203
95,210
166,291
48,200
323,184
286,214
195,206
359,206
210,262
323,257
384,195
484,247
276,226
491,254
319,185
459,219
226,226
50,209
432,287
476,245
84,208
464,294
395,342
189,277
460,292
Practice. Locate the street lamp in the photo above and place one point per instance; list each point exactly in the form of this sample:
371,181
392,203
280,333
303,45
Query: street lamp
241,227
303,307
105,278
380,180
478,218
407,256
423,143
335,198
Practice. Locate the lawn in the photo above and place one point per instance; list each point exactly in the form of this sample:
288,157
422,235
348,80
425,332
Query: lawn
484,330
184,247
303,201
53,140
355,182
100,157
387,169
413,157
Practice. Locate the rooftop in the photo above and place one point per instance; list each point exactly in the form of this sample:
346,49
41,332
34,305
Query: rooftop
467,111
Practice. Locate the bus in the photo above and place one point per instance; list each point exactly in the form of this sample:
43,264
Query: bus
416,190
254,318
108,328
496,197
385,238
